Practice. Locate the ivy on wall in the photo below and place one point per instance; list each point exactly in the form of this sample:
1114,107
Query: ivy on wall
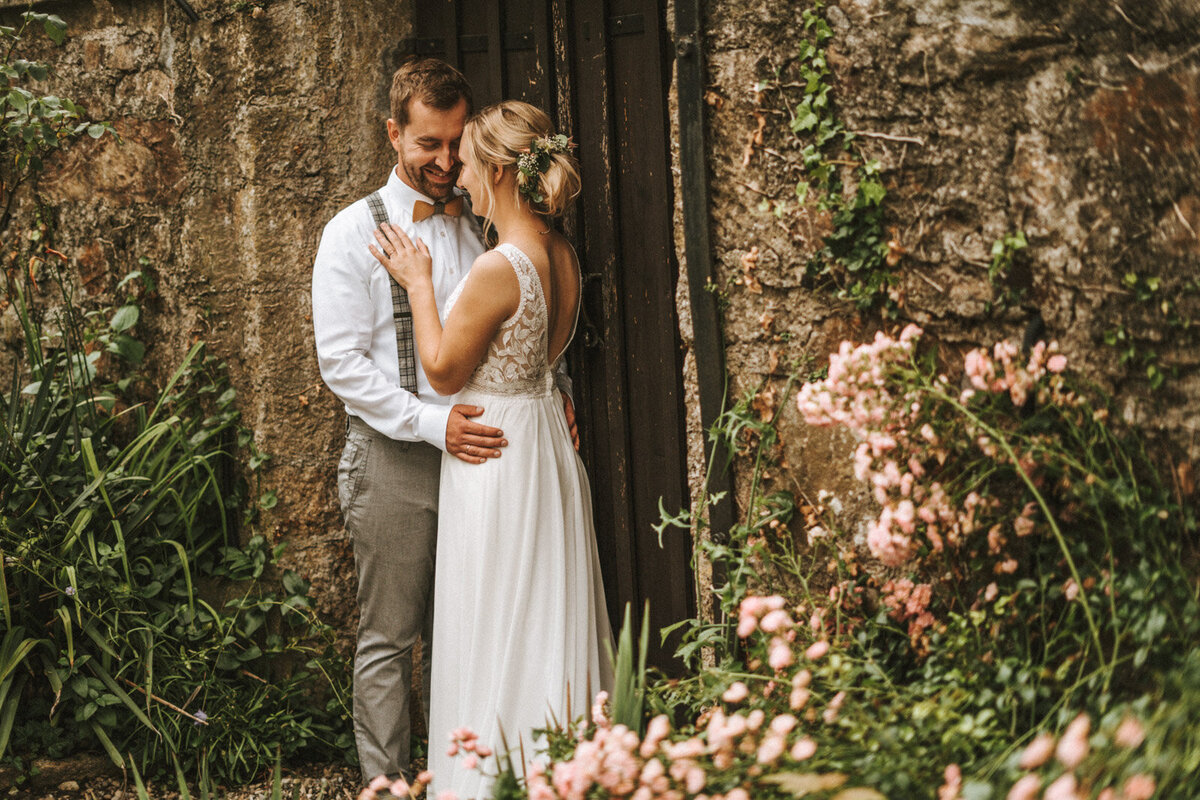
856,259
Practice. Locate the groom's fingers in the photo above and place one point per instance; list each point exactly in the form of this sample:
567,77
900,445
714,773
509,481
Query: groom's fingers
471,441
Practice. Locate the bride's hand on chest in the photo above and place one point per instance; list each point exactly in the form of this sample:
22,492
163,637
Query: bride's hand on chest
407,260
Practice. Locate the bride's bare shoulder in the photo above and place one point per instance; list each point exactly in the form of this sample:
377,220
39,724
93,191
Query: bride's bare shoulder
491,261
492,276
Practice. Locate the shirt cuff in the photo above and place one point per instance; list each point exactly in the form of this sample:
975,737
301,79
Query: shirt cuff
562,382
431,424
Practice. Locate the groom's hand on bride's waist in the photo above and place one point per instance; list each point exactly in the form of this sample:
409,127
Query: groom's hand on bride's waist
470,441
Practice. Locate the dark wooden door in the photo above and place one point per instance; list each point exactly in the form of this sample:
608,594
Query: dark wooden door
600,68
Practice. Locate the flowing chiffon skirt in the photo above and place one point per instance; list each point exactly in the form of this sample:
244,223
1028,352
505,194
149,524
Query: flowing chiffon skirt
519,612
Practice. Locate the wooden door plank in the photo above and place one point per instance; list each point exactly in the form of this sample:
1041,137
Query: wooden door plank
479,44
438,19
527,55
602,384
652,344
564,89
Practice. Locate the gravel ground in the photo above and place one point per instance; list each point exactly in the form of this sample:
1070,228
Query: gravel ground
310,782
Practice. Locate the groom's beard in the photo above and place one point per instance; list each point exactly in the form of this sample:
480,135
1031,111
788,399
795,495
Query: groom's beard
420,179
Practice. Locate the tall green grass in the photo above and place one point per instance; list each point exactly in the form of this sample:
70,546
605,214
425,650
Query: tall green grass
135,620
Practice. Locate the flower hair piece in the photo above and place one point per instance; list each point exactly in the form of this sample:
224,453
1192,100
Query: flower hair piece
535,160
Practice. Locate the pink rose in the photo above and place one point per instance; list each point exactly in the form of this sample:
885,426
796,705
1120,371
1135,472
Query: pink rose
1025,789
1130,733
1073,746
780,655
816,650
803,749
782,724
771,749
1062,789
1139,787
775,621
1038,752
736,693
950,789
656,731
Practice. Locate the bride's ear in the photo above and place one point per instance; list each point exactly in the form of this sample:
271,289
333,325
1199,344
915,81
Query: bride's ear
497,174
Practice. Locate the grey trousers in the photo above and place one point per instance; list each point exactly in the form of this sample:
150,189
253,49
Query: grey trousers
389,494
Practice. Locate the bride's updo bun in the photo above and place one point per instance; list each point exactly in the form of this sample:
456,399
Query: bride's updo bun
517,135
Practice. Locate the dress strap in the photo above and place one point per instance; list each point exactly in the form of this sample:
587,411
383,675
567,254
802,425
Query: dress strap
526,273
579,305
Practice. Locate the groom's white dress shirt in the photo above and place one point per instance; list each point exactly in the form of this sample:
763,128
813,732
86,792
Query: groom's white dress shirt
352,312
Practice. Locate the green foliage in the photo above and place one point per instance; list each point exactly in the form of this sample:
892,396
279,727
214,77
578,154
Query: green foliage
629,689
135,621
1153,300
1004,254
35,124
837,178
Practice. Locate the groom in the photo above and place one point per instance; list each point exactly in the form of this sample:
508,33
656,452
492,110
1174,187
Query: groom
397,426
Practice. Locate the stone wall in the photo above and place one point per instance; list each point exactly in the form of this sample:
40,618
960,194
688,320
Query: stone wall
242,133
1075,122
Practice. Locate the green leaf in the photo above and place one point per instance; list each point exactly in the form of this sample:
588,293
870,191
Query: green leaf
293,583
268,501
859,793
872,192
805,783
96,130
125,318
127,348
106,742
55,28
132,276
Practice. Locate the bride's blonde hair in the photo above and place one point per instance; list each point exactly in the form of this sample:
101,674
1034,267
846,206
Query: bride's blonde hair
504,132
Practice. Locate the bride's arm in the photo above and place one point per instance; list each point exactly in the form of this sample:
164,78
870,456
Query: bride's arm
490,295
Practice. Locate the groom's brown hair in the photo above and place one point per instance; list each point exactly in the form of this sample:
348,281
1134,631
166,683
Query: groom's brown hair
430,80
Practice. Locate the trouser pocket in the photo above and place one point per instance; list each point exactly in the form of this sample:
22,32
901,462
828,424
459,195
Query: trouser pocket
352,469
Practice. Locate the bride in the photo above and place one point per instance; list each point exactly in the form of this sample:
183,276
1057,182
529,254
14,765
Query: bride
519,614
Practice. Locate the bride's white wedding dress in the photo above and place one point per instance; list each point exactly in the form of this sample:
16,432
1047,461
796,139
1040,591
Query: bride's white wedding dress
519,616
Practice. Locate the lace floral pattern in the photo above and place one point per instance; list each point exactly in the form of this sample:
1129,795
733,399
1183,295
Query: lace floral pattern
515,363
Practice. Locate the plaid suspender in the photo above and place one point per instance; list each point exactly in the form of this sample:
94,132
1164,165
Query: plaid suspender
401,312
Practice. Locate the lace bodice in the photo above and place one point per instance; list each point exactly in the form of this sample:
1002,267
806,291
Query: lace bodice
517,361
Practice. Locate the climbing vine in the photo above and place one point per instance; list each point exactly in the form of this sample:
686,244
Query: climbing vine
836,179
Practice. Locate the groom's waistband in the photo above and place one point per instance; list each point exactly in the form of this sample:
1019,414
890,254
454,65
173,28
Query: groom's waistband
357,425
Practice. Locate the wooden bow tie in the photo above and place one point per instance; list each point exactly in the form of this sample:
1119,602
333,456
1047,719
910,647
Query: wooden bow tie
423,210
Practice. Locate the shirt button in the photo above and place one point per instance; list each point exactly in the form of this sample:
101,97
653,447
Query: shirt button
442,234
